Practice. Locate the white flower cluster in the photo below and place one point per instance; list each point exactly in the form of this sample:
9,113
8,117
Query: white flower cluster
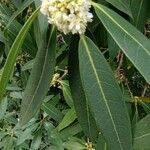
68,15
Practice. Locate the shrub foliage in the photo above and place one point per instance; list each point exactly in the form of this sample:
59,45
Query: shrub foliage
75,92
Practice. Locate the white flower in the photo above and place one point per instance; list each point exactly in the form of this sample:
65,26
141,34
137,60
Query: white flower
68,15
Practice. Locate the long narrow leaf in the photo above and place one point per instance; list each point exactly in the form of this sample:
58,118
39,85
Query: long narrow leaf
41,74
12,32
19,10
142,134
40,25
132,42
104,95
52,111
69,118
8,67
67,93
140,10
81,103
123,5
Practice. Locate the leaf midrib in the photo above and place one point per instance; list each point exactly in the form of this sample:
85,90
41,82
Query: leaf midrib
17,12
101,89
138,16
88,117
16,46
44,105
142,136
96,5
123,5
36,90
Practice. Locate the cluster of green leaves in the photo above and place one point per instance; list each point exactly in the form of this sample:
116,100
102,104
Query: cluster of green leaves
75,92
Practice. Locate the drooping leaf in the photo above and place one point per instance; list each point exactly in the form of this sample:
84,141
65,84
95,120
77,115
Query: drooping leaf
13,30
41,74
40,25
140,10
132,42
123,5
81,104
9,64
142,134
104,96
19,10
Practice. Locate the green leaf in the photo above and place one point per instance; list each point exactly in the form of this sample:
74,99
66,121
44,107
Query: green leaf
113,47
146,107
26,132
145,102
13,30
41,25
123,5
9,64
17,95
2,37
28,65
67,92
2,135
81,103
70,131
74,144
142,134
52,111
41,74
26,135
101,143
140,10
69,118
36,142
9,143
132,42
3,107
5,10
104,95
19,10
